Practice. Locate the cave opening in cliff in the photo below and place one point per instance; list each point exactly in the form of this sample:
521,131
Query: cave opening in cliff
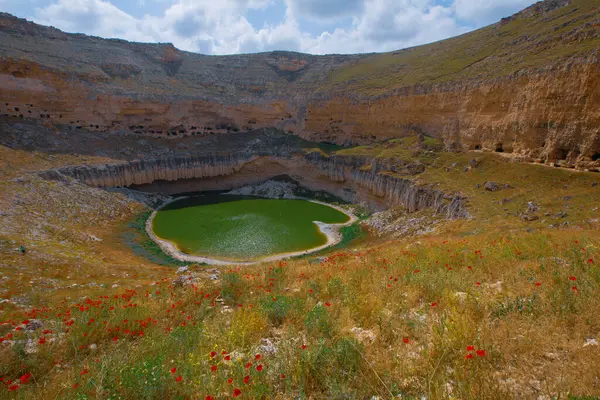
499,148
596,157
559,154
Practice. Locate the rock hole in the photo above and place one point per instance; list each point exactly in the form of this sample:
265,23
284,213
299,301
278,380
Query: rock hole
596,157
499,149
560,154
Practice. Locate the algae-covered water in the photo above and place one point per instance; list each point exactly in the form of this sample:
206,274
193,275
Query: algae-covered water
243,228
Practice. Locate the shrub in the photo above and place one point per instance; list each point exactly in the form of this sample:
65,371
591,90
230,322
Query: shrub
277,309
318,321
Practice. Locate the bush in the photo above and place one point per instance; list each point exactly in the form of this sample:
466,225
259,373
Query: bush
231,288
277,309
318,321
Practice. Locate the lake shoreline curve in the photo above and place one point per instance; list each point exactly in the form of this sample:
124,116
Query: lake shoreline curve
331,232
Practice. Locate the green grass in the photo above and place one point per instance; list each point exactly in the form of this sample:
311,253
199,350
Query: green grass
491,52
406,148
135,236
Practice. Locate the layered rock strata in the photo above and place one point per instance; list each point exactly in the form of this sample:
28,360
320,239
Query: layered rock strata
344,177
528,85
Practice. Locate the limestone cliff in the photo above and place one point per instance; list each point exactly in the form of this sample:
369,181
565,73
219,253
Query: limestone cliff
345,177
528,85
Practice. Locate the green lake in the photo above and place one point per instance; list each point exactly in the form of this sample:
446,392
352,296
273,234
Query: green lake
243,228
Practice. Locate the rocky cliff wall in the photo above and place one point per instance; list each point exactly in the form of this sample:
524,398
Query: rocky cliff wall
550,117
544,116
528,85
341,176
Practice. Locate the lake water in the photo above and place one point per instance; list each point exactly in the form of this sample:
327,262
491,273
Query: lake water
243,228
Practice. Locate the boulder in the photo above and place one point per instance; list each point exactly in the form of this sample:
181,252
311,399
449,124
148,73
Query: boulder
33,325
491,186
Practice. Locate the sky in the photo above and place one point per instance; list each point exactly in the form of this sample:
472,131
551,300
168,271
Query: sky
250,26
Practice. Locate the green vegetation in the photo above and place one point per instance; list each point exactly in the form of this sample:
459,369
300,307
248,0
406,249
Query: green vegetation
135,235
407,148
492,307
376,323
494,51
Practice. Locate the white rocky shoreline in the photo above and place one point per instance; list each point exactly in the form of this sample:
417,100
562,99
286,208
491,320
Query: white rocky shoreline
269,189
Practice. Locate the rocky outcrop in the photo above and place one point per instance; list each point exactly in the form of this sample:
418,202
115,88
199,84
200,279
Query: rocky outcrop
527,86
147,171
346,177
393,189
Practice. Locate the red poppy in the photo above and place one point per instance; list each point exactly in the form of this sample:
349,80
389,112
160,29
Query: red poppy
85,371
478,283
213,354
230,381
574,288
303,347
470,348
227,358
282,376
469,356
572,278
173,370
406,340
213,368
257,357
25,378
433,304
538,284
481,353
247,379
209,398
236,392
248,365
178,379
328,304
75,386
12,388
259,368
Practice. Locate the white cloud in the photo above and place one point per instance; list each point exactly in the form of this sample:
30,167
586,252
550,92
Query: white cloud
221,26
93,17
323,10
488,11
390,25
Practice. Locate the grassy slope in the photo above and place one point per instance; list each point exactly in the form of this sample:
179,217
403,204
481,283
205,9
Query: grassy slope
404,293
494,51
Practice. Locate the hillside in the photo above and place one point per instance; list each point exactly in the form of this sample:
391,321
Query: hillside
526,85
542,36
473,271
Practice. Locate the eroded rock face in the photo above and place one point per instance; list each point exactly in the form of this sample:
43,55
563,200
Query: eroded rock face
547,112
257,156
341,176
